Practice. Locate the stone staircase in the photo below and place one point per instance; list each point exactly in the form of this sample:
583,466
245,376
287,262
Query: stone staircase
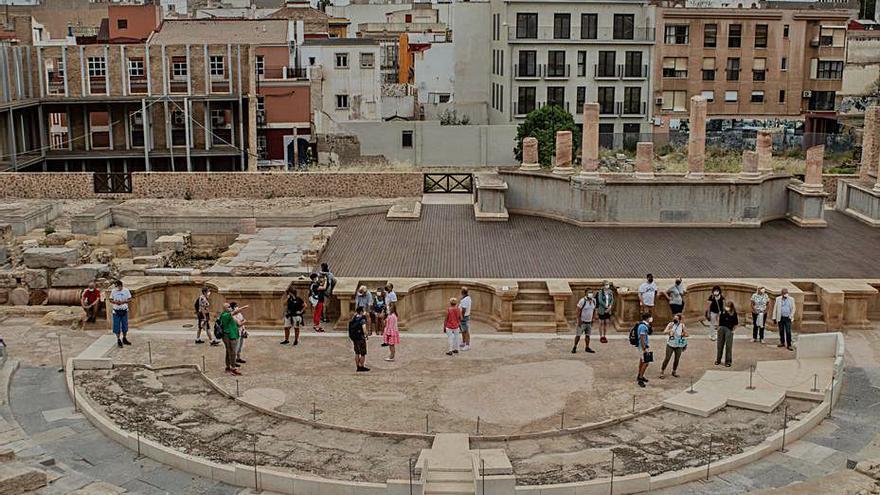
812,320
448,468
533,310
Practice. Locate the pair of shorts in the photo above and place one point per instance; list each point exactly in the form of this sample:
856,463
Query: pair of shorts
203,317
465,322
676,308
293,321
605,316
585,328
360,347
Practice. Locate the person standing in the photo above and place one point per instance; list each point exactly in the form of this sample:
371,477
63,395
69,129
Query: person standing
331,286
604,306
452,327
714,306
317,293
759,302
645,356
119,298
465,306
648,294
676,343
783,314
293,314
364,299
675,294
390,295
727,323
585,315
90,300
357,332
230,338
203,317
391,334
242,332
379,310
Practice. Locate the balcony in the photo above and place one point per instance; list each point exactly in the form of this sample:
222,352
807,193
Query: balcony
601,35
631,108
522,108
137,85
556,71
98,85
55,84
178,85
522,72
606,72
633,71
283,74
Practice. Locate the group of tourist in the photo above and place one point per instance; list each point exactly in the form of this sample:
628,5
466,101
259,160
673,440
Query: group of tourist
374,314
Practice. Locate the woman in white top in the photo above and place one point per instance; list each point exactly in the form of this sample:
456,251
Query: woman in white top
675,344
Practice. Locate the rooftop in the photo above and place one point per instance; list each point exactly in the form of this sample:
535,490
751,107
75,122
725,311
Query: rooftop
340,42
221,31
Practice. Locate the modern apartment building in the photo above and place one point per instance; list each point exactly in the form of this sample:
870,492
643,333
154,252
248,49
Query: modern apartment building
751,63
566,53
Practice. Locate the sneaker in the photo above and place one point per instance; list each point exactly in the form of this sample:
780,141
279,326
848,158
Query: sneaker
200,341
713,338
384,344
448,353
125,341
789,348
360,369
242,361
675,374
644,379
754,340
761,340
574,350
641,383
284,342
295,342
717,363
455,351
727,365
215,343
119,343
235,372
366,369
780,345
589,350
465,348
662,376
390,360
603,340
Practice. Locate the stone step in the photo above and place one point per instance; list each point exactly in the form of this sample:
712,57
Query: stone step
542,305
812,306
533,295
813,316
811,297
813,326
534,316
533,327
449,488
450,476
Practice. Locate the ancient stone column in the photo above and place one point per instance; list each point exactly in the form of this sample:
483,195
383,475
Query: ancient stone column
644,161
813,171
590,140
870,143
750,164
563,154
697,138
530,154
764,147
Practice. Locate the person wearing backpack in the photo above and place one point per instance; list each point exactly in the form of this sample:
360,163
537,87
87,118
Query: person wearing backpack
293,314
331,286
604,305
640,333
203,317
230,337
586,313
357,332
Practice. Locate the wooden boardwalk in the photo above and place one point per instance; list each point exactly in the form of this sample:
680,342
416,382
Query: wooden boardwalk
448,242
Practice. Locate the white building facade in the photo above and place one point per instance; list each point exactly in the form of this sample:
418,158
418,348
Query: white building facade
568,52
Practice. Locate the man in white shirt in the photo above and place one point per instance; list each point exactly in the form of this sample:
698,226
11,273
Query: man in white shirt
390,295
119,298
586,314
465,306
783,314
648,294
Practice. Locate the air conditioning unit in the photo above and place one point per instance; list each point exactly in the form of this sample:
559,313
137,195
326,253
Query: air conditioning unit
178,119
808,94
658,100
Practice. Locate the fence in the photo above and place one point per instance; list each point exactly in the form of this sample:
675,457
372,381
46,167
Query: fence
735,141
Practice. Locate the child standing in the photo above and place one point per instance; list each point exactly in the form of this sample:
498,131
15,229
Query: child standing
391,335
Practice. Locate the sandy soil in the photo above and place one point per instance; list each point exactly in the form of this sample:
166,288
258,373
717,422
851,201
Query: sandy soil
37,345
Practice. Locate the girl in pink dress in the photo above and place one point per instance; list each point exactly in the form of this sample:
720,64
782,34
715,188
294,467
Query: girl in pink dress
391,335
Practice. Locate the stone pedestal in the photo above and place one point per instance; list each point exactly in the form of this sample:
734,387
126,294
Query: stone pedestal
750,165
764,148
806,201
813,171
870,143
590,140
644,161
489,197
563,154
858,200
697,138
530,159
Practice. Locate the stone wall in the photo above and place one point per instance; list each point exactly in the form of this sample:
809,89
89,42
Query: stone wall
207,185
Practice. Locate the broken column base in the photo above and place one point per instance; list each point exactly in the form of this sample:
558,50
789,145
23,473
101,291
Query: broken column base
806,206
489,190
530,167
563,170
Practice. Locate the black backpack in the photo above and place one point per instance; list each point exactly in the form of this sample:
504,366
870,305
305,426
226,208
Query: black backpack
198,306
634,333
218,329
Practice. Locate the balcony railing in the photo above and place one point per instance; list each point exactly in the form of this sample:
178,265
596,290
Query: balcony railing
55,85
522,72
557,71
605,71
137,85
547,33
633,71
180,86
97,86
631,108
283,73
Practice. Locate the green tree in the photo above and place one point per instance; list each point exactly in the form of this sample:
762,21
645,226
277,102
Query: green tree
543,124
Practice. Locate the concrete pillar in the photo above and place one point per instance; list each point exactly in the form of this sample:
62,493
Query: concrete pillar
870,143
590,140
697,138
764,147
644,161
252,112
530,154
750,164
563,154
813,171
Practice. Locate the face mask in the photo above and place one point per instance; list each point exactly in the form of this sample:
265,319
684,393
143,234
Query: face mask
716,293
678,282
761,292
589,295
607,286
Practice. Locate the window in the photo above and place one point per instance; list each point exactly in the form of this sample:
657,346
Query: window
785,31
676,34
784,64
179,67
829,69
525,100
556,96
710,35
624,26
97,67
733,69
582,63
581,97
135,67
406,139
589,26
708,95
367,60
217,65
759,69
832,35
606,136
262,145
731,96
528,66
734,36
709,69
341,60
260,65
675,101
556,64
527,26
761,31
633,67
341,102
675,67
632,100
121,23
99,130
822,100
757,97
606,65
781,96
606,100
561,26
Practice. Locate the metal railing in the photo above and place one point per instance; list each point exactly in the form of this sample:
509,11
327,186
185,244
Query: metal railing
114,182
448,183
562,71
547,33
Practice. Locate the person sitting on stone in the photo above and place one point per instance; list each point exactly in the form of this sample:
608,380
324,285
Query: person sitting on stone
90,301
